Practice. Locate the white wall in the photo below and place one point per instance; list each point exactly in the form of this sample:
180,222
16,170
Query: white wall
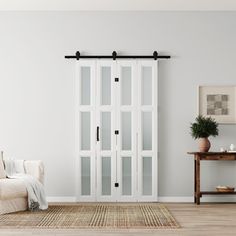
36,85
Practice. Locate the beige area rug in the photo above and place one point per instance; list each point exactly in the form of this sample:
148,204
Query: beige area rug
94,216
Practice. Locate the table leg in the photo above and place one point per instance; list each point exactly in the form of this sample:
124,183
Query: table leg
198,180
195,182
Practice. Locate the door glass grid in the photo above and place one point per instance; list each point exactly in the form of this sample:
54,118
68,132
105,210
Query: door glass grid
85,86
85,128
146,85
85,176
147,175
147,130
126,176
126,130
106,176
106,85
106,130
126,85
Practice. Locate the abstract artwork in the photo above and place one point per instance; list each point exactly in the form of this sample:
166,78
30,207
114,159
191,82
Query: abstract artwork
219,102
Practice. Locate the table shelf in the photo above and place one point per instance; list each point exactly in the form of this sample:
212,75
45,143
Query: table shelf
216,193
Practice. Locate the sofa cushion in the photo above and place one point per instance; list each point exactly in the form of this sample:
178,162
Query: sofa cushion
2,170
12,188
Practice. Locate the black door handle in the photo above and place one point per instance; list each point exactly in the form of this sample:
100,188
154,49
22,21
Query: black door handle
97,133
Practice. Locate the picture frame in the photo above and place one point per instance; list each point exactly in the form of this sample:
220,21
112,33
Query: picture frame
218,102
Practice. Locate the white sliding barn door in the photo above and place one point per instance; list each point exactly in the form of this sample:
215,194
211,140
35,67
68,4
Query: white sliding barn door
116,117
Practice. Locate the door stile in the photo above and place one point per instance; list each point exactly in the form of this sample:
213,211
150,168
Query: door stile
155,128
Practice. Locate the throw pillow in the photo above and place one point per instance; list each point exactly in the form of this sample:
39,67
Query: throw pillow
2,170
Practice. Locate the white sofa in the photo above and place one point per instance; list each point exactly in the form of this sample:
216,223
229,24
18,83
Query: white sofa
13,193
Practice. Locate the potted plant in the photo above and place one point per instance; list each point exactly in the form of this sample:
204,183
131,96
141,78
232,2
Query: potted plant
201,129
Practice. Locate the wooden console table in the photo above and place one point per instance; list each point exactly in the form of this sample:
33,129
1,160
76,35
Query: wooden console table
208,156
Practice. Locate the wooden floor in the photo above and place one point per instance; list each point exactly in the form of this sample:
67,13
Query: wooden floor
206,219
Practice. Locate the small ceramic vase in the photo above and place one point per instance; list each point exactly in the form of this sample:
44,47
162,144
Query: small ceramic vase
222,149
232,147
204,144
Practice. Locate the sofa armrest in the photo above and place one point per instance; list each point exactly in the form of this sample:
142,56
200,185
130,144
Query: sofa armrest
36,169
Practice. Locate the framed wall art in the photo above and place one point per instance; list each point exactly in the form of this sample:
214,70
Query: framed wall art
219,102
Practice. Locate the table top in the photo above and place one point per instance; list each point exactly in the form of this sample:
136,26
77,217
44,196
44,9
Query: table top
212,153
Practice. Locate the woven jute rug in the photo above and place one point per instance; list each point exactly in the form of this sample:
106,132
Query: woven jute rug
94,216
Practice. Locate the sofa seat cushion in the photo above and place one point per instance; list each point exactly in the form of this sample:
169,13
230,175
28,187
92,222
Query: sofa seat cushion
12,188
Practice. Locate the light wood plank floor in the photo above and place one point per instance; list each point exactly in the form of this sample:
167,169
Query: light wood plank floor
206,219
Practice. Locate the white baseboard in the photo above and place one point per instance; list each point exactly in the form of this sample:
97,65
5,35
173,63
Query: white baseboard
203,199
175,199
160,199
61,199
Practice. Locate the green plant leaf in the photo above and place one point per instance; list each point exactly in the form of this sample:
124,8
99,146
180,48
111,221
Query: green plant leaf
203,127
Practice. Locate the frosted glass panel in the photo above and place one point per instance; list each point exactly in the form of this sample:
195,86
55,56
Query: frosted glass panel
85,176
106,85
85,130
126,130
126,176
85,85
147,175
146,85
106,130
106,176
126,91
147,130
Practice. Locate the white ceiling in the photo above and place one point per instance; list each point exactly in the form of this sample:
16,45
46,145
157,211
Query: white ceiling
118,5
